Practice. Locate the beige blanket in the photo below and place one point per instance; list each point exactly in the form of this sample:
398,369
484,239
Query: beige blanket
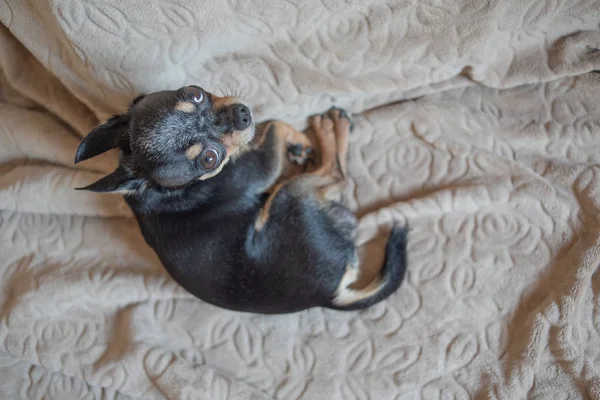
477,122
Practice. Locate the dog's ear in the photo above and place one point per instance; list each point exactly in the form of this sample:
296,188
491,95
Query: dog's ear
136,100
119,181
112,134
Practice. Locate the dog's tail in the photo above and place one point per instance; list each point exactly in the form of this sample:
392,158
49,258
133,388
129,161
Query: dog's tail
389,279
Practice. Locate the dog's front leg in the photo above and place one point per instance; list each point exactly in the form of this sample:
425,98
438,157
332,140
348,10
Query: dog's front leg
279,146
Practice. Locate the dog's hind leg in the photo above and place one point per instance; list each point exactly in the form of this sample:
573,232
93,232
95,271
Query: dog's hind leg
325,183
332,129
357,288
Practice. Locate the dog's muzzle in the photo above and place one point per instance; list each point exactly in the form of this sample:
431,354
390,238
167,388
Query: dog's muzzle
242,118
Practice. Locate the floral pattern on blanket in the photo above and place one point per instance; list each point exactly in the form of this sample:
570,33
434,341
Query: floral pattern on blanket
477,124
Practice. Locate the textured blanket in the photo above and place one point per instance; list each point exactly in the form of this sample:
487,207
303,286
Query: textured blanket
477,123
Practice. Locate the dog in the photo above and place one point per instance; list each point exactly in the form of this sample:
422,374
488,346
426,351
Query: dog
202,179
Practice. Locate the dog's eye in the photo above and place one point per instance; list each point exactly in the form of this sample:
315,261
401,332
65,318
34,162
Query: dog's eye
195,94
209,160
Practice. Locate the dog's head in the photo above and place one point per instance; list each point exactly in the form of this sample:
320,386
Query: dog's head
170,139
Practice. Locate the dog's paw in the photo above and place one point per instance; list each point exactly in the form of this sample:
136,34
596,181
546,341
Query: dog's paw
299,154
339,116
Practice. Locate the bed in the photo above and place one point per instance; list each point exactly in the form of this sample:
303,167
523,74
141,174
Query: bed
477,124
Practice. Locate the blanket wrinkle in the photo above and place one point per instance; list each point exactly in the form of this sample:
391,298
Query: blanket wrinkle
476,123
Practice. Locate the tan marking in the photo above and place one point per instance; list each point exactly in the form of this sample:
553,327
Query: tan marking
345,294
193,151
285,132
215,172
291,135
220,102
237,142
323,129
263,215
342,133
185,106
231,142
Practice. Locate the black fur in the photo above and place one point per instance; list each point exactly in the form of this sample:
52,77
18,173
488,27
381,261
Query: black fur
204,230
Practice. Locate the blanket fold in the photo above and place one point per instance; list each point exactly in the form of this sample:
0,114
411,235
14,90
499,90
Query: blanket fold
476,122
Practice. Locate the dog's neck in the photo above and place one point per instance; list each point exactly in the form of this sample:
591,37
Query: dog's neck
152,200
200,195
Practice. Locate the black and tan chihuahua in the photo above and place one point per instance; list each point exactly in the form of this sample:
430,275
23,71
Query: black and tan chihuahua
205,191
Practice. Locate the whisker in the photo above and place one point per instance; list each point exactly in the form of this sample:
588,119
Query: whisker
242,92
229,91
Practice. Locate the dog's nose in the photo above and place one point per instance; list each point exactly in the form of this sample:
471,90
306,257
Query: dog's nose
241,116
